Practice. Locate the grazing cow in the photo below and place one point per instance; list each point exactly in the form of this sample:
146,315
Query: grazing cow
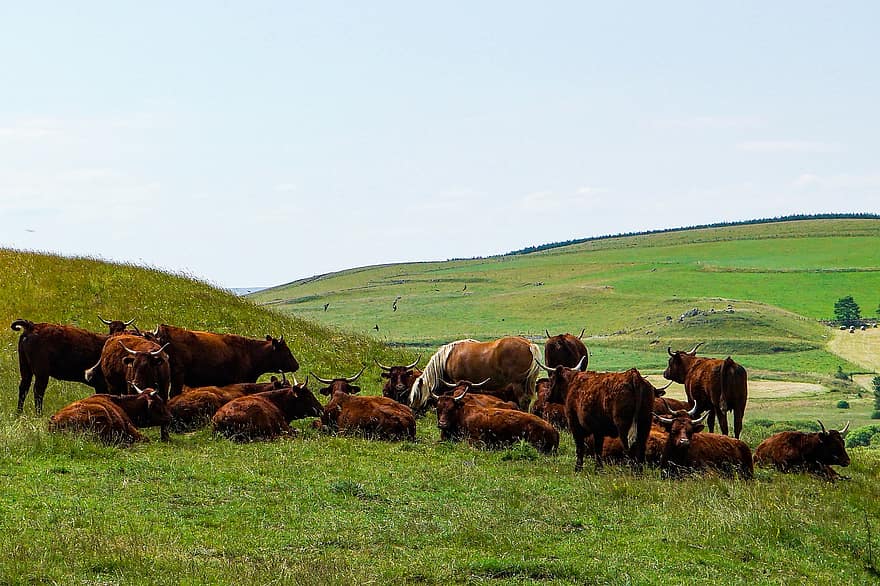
688,449
612,404
816,452
128,361
554,413
61,352
492,427
506,361
400,380
374,417
265,415
565,350
201,359
195,407
115,418
715,385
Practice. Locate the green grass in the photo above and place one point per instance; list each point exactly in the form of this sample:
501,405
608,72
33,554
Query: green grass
780,278
329,510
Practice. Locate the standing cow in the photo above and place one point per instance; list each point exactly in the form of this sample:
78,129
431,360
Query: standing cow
128,361
61,352
400,379
509,360
565,350
201,359
813,452
715,385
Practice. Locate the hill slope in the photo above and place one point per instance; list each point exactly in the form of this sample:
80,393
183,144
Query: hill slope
777,278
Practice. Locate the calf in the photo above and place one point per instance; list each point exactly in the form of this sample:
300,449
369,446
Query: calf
196,406
688,449
61,352
114,418
265,415
127,361
376,417
491,426
816,452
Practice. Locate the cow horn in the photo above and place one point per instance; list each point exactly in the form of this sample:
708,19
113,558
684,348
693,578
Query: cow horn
822,426
581,337
694,351
160,350
543,366
351,379
448,384
281,339
434,396
326,381
106,321
702,418
669,350
295,382
580,363
668,408
461,396
845,429
127,349
663,419
284,377
693,410
664,387
382,366
547,332
129,322
156,331
139,391
478,385
413,365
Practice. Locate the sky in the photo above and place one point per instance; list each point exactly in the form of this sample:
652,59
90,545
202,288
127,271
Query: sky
253,143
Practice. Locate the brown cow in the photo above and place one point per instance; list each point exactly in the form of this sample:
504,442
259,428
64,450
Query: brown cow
493,427
201,359
565,350
716,385
265,415
554,413
114,418
373,417
196,406
61,352
127,361
612,404
509,360
814,452
465,390
400,380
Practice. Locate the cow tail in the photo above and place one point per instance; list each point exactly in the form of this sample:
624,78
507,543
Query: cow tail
533,373
632,435
27,324
728,379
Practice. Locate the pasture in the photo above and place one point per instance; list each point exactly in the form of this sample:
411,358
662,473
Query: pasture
326,510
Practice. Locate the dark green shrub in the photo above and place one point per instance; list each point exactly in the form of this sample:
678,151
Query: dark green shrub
861,436
842,405
875,414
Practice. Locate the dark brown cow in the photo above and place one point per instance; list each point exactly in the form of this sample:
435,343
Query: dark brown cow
373,417
265,415
465,390
604,404
128,361
792,451
200,359
61,352
400,380
114,418
565,350
493,427
554,413
194,408
509,360
716,385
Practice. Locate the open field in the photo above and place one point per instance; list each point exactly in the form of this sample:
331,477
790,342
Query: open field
330,510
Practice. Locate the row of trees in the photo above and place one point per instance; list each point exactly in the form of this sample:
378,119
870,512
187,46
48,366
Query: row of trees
848,313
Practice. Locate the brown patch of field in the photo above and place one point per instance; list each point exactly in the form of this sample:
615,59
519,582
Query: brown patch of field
862,348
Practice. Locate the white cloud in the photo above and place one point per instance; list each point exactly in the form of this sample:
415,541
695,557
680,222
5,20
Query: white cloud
789,146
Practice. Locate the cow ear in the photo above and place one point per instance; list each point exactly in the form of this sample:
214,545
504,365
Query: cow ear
128,360
354,390
324,391
385,375
699,427
268,338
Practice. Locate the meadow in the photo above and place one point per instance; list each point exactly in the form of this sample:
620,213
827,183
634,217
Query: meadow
328,510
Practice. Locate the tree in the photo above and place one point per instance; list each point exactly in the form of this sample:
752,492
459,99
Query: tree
876,383
847,312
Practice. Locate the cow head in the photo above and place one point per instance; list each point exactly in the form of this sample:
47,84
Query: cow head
151,410
679,364
282,358
449,410
680,426
146,369
339,384
303,402
566,350
831,449
116,326
400,379
560,377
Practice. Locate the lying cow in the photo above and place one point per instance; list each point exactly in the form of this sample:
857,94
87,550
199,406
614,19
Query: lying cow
554,413
61,352
114,418
128,361
265,415
792,451
195,407
491,426
373,417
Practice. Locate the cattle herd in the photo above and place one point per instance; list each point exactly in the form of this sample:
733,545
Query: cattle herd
488,393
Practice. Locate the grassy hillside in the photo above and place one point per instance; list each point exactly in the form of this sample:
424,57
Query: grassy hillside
778,278
328,510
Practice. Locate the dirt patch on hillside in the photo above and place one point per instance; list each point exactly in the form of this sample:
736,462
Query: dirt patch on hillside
758,389
862,348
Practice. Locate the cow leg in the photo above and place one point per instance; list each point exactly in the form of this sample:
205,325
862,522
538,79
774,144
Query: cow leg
39,391
711,419
722,420
738,421
580,447
25,385
598,443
